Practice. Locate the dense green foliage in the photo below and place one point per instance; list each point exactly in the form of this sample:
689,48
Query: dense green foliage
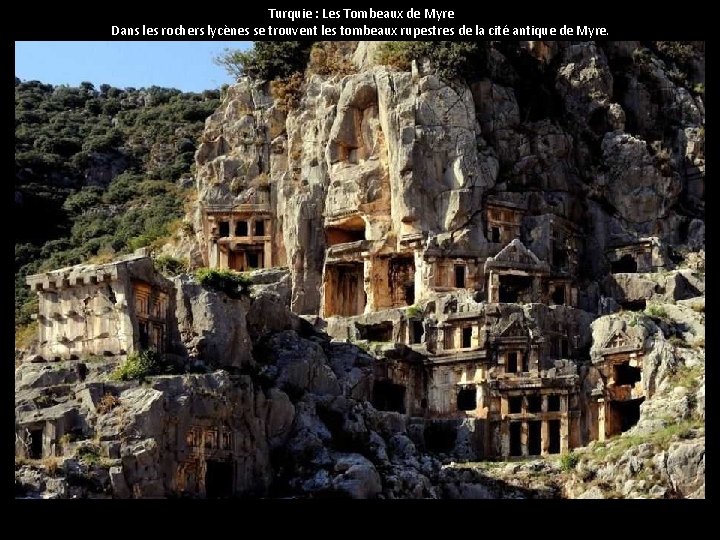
139,366
170,266
96,171
569,461
450,59
231,283
268,60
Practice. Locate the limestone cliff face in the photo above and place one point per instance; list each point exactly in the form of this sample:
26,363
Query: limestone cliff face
397,201
569,129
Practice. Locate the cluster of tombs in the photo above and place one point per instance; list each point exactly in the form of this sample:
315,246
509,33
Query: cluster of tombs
491,337
516,373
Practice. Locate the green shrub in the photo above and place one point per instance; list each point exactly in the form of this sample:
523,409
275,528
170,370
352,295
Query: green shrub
138,366
656,311
569,461
170,266
450,59
395,54
267,60
90,455
229,282
414,312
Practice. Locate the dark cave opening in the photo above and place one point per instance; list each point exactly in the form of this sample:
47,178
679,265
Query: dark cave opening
625,265
515,439
534,437
219,479
440,436
467,399
626,374
388,396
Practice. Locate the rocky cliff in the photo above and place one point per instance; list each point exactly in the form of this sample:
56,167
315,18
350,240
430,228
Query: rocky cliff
606,139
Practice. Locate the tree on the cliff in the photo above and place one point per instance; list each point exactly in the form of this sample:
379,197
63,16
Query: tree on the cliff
267,60
450,59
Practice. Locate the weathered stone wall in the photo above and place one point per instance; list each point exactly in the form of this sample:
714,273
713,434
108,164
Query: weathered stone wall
93,310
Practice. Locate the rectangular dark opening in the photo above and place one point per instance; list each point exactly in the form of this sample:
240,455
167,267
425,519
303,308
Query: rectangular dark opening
515,404
241,229
495,235
440,436
525,363
224,229
515,289
560,258
417,332
558,297
554,434
467,399
459,277
260,227
253,259
512,363
389,397
534,438
625,265
515,435
381,333
564,348
627,413
534,403
626,374
410,293
467,338
633,305
36,444
144,331
219,479
554,403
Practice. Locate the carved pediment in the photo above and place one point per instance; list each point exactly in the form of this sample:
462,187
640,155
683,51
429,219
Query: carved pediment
513,329
620,341
516,255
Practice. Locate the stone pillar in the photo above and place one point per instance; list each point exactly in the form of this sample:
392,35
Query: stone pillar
575,435
268,255
545,436
524,438
534,360
536,289
505,437
420,274
601,420
564,434
493,288
213,255
223,258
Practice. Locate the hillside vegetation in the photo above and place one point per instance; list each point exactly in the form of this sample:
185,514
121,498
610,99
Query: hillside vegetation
98,171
